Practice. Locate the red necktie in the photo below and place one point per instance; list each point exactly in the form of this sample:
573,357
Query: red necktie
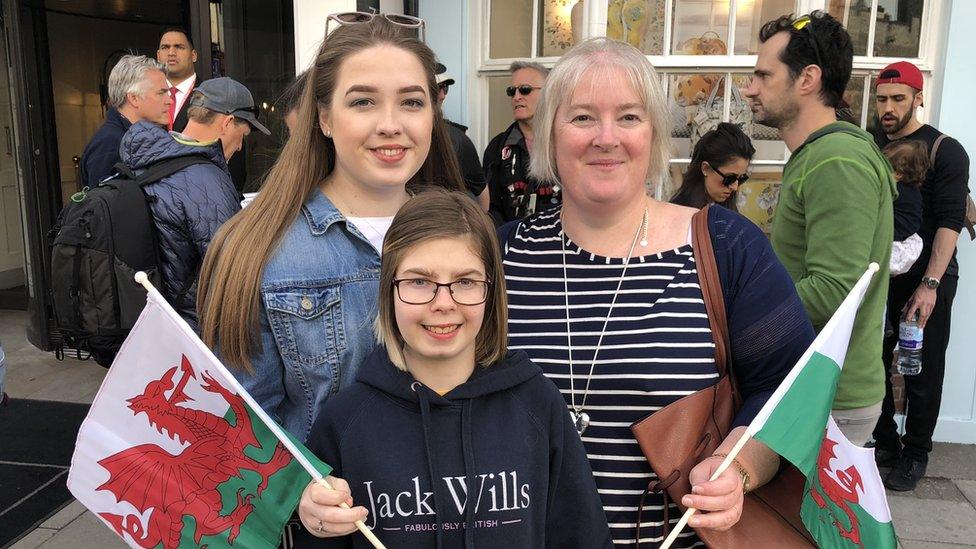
172,107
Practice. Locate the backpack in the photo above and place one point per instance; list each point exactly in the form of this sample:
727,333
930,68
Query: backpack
969,220
101,239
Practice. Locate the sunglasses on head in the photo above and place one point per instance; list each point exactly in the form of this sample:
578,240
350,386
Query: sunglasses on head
356,17
729,178
803,23
524,89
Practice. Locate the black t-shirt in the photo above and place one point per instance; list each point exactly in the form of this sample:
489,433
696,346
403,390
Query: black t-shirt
467,156
943,192
908,211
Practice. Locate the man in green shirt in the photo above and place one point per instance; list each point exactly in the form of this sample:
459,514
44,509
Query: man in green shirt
835,208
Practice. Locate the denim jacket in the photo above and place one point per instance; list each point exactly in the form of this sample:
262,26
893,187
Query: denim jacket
318,304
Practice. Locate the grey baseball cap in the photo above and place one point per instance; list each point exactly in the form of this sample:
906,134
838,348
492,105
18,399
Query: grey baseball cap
228,96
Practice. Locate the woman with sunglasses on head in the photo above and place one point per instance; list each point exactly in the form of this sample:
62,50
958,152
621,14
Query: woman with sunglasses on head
604,293
719,165
513,193
288,287
446,439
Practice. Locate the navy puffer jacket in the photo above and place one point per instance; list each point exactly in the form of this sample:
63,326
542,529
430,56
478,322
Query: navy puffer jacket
189,205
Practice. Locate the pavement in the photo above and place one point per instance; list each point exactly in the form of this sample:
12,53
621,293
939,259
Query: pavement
939,513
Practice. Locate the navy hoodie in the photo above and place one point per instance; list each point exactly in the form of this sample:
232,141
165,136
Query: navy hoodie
507,465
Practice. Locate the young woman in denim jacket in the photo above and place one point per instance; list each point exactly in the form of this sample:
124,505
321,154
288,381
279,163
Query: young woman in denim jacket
288,287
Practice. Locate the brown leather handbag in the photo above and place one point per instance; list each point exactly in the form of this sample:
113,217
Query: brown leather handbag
677,437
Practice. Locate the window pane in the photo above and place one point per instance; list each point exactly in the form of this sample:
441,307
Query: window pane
562,26
696,102
510,34
764,138
640,23
854,95
499,105
749,18
758,197
898,27
855,15
700,27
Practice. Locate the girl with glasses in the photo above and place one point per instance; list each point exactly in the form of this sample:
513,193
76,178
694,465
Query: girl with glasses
719,165
288,288
446,439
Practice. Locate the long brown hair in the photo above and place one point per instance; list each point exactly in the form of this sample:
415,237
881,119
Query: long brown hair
438,214
230,278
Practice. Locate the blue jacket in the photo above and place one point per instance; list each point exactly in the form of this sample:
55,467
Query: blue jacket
102,151
495,462
188,206
318,303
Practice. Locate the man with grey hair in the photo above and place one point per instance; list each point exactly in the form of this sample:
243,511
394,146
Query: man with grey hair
513,193
137,91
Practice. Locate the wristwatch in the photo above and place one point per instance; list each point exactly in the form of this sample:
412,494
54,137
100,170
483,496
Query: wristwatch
930,282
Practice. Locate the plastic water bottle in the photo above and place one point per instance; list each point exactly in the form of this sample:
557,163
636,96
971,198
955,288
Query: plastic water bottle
909,347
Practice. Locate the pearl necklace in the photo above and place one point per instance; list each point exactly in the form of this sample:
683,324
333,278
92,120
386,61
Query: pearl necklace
580,418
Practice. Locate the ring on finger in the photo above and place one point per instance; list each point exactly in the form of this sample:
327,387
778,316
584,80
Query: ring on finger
320,527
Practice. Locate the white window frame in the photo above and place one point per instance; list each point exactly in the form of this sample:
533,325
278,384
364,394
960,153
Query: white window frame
931,44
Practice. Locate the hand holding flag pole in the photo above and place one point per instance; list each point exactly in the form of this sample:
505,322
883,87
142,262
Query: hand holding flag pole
286,441
852,300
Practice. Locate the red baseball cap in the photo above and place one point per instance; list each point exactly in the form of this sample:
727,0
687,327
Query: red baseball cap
901,72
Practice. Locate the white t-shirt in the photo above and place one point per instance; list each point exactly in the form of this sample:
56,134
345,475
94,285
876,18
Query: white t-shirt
373,228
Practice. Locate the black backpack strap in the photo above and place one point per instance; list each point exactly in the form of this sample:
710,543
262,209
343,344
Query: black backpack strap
168,167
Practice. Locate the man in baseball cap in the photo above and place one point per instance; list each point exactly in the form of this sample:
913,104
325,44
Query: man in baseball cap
929,287
189,205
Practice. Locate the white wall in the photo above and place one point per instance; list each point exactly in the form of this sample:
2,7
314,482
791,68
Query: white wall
446,23
310,18
957,421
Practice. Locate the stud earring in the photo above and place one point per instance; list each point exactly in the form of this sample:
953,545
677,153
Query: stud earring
328,134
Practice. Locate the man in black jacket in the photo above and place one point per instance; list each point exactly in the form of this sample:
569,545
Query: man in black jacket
929,287
514,194
137,91
464,150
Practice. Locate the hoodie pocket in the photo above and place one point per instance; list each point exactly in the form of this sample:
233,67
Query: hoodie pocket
307,323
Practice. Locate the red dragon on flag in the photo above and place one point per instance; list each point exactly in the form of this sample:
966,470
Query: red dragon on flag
170,487
842,491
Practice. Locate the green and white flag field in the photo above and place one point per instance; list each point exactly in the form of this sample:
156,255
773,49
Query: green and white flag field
174,453
844,503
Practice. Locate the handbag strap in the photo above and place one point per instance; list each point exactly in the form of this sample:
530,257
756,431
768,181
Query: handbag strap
711,288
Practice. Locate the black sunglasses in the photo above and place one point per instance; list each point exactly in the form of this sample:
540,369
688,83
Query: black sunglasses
729,178
803,23
356,17
524,89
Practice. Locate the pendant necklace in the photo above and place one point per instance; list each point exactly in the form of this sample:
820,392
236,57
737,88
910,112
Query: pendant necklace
580,418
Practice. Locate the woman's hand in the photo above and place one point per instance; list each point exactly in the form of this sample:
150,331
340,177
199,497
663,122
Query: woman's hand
719,501
320,511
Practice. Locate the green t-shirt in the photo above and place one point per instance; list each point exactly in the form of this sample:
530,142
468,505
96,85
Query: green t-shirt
833,219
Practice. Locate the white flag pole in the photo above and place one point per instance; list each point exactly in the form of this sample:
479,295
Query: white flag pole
143,279
857,293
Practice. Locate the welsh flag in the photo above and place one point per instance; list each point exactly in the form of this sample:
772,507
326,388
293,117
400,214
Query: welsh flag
174,453
844,503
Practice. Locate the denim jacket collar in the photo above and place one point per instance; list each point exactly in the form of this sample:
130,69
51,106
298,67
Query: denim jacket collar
320,212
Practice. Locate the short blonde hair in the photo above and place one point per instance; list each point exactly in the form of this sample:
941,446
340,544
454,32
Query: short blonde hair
438,213
567,74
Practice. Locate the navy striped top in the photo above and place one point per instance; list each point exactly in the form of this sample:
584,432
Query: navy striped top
657,348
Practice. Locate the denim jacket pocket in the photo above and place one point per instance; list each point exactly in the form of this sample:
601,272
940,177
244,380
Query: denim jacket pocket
307,323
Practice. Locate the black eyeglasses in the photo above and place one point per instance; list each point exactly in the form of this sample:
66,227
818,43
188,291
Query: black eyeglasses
803,23
729,178
356,17
420,291
524,89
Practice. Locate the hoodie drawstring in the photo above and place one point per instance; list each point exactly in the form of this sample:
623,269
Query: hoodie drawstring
431,466
468,451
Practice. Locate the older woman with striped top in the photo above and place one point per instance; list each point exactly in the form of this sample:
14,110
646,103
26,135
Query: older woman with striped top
604,296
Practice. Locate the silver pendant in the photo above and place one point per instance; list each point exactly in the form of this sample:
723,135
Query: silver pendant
581,420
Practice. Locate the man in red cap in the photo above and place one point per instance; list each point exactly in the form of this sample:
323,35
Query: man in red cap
929,287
